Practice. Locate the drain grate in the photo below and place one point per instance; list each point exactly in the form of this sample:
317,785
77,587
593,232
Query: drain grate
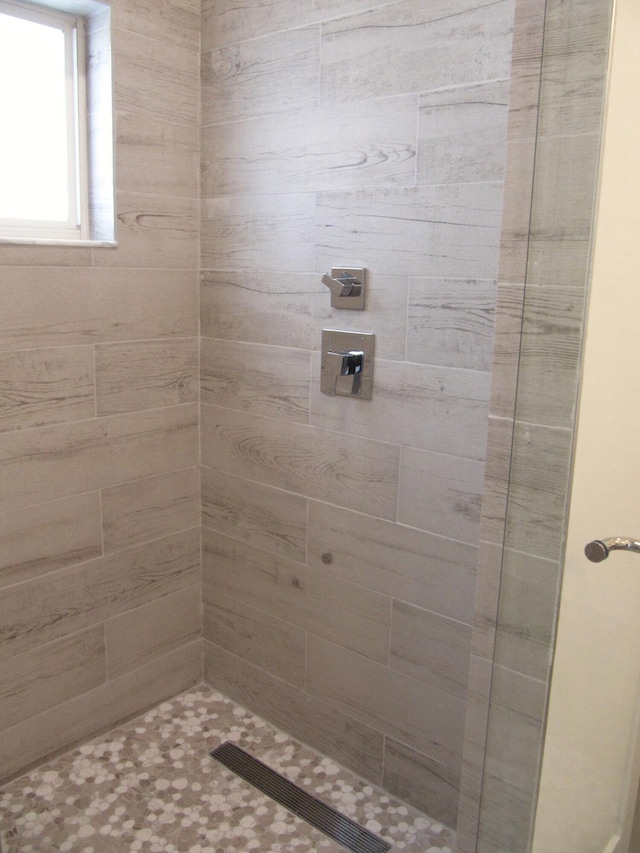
338,827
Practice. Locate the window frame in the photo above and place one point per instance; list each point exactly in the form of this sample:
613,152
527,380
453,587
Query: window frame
78,227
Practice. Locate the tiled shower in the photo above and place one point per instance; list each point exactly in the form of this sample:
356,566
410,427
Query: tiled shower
171,470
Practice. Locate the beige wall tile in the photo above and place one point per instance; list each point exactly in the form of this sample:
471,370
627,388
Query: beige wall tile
47,608
290,310
431,648
62,460
451,322
550,348
313,151
37,680
80,717
154,79
146,375
45,307
139,636
42,538
267,232
441,44
430,571
273,74
450,230
342,469
260,516
462,132
225,22
311,599
403,708
508,328
441,493
46,386
273,645
413,405
153,231
416,779
153,155
169,21
150,508
538,488
271,381
308,718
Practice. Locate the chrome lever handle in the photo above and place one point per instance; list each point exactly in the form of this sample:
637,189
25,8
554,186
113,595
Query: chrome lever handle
346,286
599,549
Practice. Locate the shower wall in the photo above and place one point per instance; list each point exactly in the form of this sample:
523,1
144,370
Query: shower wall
99,488
340,536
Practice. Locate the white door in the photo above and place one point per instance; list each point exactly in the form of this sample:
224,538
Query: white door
591,758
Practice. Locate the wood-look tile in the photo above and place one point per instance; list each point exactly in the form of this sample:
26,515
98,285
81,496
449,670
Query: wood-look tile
174,22
273,74
441,493
45,464
312,151
524,637
155,79
413,46
514,747
413,405
23,255
264,232
146,375
506,350
47,307
550,347
270,644
150,508
450,230
429,571
516,210
403,708
451,322
562,210
153,231
263,517
46,537
139,636
47,608
46,386
506,816
540,471
347,470
311,720
519,692
421,781
290,310
312,600
155,156
37,680
462,134
82,716
430,648
487,594
574,67
271,381
225,22
496,479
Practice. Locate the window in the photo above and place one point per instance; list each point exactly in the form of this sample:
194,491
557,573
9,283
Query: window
50,159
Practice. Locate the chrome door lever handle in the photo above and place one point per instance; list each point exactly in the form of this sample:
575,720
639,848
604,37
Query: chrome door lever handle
599,549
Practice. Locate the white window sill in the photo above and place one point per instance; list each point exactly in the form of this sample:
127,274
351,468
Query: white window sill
44,241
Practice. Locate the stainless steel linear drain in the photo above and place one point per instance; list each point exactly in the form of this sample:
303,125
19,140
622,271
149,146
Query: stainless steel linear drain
335,825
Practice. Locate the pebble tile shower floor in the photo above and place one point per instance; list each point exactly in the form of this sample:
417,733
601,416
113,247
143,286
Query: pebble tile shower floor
151,785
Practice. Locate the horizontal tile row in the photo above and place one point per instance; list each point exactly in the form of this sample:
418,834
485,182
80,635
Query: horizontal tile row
62,460
434,492
42,387
60,533
449,230
442,321
439,45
